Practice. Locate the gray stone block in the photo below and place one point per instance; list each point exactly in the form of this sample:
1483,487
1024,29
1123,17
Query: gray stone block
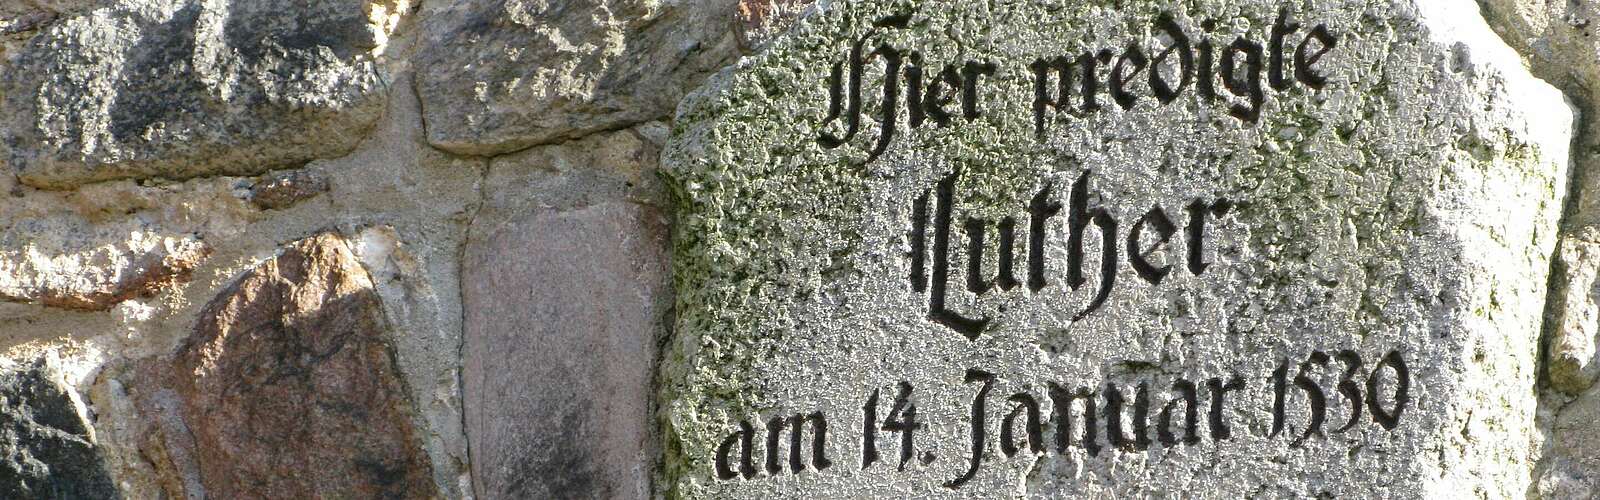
563,309
1055,249
188,88
502,75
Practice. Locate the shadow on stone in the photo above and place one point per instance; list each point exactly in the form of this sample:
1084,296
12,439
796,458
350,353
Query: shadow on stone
47,448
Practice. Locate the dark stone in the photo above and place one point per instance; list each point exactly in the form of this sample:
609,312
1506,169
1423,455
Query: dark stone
182,88
45,452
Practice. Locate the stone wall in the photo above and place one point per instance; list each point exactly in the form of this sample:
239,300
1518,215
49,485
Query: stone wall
396,248
1562,47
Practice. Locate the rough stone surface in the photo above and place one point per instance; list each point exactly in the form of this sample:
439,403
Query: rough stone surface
1562,39
405,208
287,389
48,449
166,148
287,188
760,21
98,277
18,18
1573,363
186,88
1404,213
565,297
1561,44
1572,467
502,75
12,23
404,205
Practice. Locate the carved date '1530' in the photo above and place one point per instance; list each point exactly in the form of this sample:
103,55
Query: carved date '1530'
1077,415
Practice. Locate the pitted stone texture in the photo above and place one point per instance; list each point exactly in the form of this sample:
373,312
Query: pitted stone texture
762,20
47,449
96,274
1409,206
501,75
599,168
187,88
286,389
563,311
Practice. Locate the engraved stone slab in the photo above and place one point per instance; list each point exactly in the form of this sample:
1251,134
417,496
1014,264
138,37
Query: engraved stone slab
1048,248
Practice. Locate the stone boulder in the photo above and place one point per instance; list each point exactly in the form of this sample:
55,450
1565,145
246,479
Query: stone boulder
1573,354
287,388
1054,248
100,276
562,314
188,88
501,75
284,189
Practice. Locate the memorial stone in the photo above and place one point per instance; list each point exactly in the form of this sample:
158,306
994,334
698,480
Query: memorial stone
1055,248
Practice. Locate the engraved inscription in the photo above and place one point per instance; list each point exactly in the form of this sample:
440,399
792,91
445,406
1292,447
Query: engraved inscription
1081,217
1071,85
1094,417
